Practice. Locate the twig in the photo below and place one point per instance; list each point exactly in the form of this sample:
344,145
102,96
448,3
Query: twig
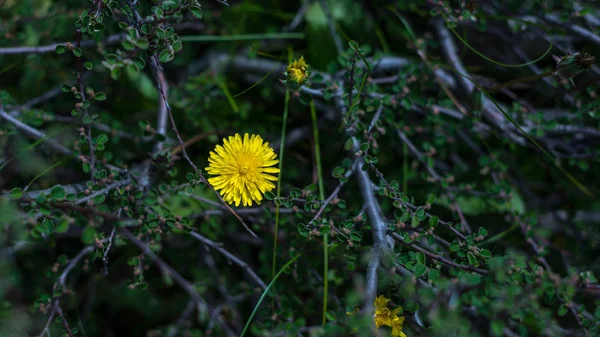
438,257
189,309
332,196
61,284
64,321
167,269
231,257
155,65
298,17
243,211
378,229
331,25
88,127
161,129
103,191
574,28
36,134
109,245
418,154
111,39
375,118
105,128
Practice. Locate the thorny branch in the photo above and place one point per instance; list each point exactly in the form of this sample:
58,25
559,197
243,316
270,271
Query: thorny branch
155,65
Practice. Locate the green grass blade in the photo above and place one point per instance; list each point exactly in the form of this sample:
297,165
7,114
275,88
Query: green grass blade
281,152
223,85
313,114
255,84
264,294
506,64
574,180
52,167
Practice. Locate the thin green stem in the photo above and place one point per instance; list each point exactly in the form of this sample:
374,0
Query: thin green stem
223,85
281,151
499,235
521,80
313,114
500,63
52,167
264,294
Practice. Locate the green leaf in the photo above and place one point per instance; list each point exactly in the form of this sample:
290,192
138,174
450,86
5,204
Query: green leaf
62,227
48,226
269,195
433,221
434,274
87,119
60,49
89,235
127,45
15,193
99,199
497,328
100,96
455,246
133,261
88,65
77,52
420,257
197,12
303,230
111,58
485,253
115,73
420,270
58,192
142,43
562,310
415,221
431,199
472,259
87,167
102,138
164,56
62,260
177,45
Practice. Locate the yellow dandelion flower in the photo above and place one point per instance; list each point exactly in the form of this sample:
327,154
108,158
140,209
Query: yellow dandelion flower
396,325
381,302
243,169
297,71
383,316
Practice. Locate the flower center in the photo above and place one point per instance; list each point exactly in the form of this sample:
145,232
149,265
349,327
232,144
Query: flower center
243,169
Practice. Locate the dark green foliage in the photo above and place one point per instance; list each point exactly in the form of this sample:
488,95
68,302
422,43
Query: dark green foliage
459,162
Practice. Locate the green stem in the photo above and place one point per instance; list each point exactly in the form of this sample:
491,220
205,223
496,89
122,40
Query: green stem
313,114
223,85
264,294
281,151
521,80
499,235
